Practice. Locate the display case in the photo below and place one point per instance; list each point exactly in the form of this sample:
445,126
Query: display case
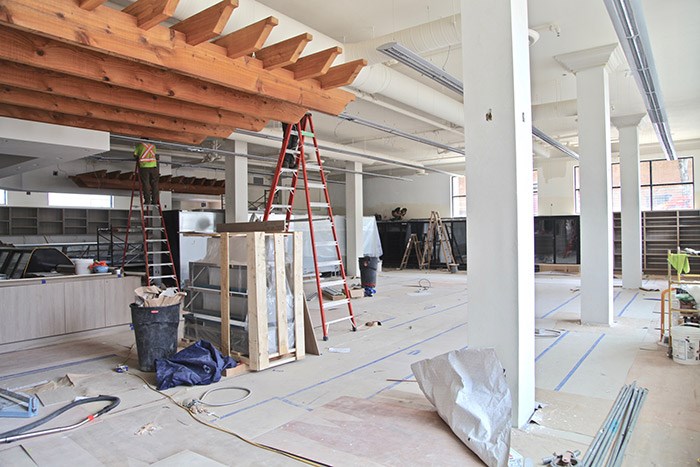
394,236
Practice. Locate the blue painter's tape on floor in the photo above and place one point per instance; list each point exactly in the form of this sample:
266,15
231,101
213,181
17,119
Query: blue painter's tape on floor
429,314
561,336
627,306
56,367
555,309
578,364
298,391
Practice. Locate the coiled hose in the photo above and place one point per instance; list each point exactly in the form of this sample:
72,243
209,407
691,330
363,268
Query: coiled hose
21,432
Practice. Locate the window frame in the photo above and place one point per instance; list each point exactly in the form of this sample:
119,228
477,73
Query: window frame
649,187
454,197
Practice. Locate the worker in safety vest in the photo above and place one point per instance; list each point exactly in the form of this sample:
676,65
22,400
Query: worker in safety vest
145,154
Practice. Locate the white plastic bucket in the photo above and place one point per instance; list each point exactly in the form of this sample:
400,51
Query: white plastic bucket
685,340
81,265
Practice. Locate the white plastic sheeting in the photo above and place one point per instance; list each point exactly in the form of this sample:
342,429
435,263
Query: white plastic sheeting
322,234
469,390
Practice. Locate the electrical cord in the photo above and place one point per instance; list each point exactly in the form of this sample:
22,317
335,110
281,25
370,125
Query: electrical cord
424,287
223,404
21,432
296,457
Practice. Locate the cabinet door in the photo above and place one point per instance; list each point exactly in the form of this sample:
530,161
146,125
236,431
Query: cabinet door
31,311
119,293
85,305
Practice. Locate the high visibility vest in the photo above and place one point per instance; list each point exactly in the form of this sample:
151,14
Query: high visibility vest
146,154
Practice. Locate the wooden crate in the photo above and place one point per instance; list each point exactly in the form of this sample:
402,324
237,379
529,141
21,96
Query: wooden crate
259,357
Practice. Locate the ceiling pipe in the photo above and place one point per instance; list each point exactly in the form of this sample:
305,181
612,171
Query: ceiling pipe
400,110
266,138
402,134
199,150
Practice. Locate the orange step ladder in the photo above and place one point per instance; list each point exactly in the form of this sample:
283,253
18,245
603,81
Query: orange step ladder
157,255
293,161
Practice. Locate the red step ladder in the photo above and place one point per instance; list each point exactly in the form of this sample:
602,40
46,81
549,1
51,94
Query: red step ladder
298,166
157,255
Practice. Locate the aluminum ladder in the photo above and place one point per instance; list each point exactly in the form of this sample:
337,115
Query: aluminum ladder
293,161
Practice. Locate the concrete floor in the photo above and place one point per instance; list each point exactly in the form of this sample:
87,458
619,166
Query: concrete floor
341,408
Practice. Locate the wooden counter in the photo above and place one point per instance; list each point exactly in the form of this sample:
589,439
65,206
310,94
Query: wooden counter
52,306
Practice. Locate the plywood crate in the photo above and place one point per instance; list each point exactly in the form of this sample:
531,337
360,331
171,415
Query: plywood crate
263,249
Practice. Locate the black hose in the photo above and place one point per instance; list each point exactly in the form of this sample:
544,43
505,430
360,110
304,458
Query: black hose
9,436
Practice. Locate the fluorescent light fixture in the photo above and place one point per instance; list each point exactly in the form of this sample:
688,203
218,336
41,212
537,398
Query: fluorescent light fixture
414,61
628,19
393,131
553,142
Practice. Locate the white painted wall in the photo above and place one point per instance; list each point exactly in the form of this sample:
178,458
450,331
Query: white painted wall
555,181
424,194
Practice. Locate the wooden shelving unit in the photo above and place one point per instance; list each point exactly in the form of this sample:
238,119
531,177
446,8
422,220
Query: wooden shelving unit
22,221
662,231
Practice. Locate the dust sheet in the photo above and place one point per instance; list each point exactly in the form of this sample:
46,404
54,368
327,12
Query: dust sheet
469,390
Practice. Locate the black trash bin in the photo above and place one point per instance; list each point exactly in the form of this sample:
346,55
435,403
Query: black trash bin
156,333
368,271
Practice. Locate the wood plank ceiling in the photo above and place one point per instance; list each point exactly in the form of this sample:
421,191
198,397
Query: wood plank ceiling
82,63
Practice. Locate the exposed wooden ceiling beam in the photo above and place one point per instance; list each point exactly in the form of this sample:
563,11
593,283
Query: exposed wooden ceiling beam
98,28
124,181
283,53
63,58
249,39
314,65
150,13
342,75
207,24
34,79
50,103
56,118
90,4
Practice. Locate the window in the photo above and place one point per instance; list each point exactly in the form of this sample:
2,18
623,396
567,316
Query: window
535,191
3,197
81,201
459,197
665,185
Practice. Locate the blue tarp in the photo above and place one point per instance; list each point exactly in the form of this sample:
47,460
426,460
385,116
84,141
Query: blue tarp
199,364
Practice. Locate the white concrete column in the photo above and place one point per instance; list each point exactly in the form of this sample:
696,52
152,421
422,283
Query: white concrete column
631,212
236,196
353,214
593,100
498,135
164,168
